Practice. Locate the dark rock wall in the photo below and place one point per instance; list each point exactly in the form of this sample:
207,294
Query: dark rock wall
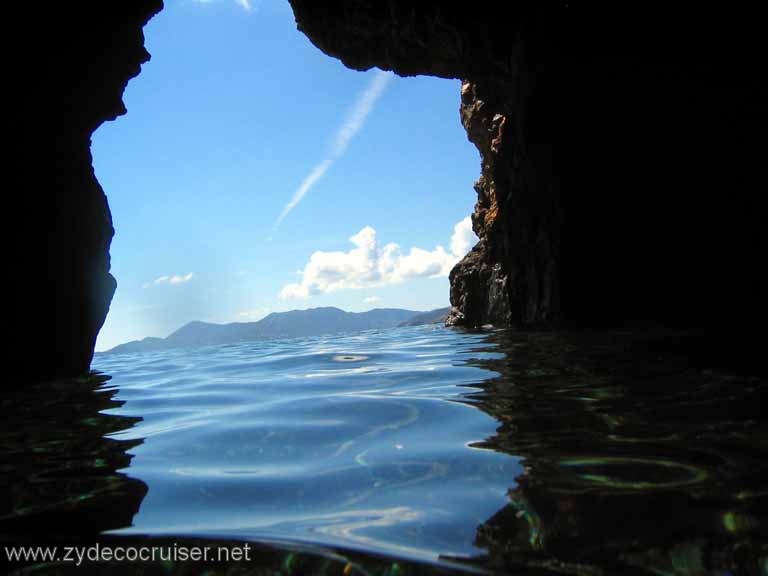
659,169
621,148
71,62
511,278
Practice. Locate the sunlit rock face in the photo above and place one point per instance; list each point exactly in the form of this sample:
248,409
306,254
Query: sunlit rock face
71,61
511,278
620,154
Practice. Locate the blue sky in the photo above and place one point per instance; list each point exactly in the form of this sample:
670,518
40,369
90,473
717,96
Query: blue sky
254,174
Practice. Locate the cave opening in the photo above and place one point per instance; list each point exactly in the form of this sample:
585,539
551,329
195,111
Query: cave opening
620,188
625,195
254,174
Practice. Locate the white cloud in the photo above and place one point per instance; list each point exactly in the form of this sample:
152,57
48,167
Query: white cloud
353,123
371,299
463,238
174,279
306,184
356,116
246,5
367,265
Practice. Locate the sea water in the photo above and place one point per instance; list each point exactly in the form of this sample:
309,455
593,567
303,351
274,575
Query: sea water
408,450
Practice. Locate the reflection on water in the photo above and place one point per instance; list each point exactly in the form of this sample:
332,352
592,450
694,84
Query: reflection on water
634,460
418,450
58,469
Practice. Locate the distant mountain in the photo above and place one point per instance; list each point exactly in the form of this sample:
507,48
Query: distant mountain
148,343
436,316
293,324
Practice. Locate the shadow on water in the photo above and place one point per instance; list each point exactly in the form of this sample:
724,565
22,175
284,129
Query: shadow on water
59,468
634,462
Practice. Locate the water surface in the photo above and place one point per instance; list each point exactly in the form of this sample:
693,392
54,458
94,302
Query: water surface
406,451
360,441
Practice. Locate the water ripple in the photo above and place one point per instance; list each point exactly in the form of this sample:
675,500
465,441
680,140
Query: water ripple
352,441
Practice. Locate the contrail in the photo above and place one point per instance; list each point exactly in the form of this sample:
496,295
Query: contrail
353,123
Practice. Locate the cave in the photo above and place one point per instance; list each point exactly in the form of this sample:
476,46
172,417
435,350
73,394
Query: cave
620,185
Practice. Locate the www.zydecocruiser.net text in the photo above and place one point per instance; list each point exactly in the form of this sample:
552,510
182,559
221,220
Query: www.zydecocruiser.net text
100,553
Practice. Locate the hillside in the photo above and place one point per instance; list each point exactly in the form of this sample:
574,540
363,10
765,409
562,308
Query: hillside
293,324
437,316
